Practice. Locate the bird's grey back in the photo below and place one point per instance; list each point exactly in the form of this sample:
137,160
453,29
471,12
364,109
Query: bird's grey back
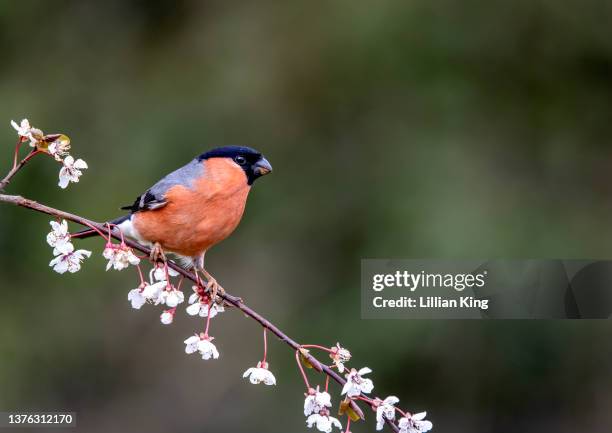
186,175
154,197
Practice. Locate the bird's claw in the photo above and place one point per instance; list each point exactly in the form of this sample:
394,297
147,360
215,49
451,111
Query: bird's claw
214,289
157,254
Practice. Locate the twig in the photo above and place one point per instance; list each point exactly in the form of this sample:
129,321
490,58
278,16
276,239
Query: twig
16,167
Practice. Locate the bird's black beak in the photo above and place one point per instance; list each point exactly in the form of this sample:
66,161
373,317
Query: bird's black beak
262,167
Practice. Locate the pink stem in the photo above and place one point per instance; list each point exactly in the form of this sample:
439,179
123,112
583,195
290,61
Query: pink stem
208,318
404,414
140,275
16,155
299,363
265,332
348,424
98,231
316,346
31,155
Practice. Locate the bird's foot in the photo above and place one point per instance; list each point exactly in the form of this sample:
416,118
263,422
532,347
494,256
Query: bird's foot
214,289
199,283
157,254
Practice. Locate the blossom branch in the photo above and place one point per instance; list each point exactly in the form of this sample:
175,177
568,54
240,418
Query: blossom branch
233,300
317,404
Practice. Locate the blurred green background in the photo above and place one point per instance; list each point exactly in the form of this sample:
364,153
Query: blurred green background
407,129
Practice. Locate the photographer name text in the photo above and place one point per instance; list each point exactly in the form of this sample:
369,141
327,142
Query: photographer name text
430,302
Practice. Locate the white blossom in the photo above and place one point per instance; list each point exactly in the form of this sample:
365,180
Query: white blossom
69,260
160,291
59,148
415,423
385,410
71,171
136,298
24,130
340,355
191,344
159,273
356,384
171,297
166,317
324,423
207,349
316,401
202,308
260,374
203,344
152,292
59,238
119,257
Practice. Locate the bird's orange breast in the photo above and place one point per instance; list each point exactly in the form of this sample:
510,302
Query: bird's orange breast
197,217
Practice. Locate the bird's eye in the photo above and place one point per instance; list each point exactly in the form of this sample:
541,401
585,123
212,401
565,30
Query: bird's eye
240,160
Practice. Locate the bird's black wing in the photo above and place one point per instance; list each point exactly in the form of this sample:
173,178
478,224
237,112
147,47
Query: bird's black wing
155,197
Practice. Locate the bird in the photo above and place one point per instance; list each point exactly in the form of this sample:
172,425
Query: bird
193,208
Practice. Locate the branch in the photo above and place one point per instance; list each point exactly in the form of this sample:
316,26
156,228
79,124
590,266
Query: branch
16,167
57,146
233,300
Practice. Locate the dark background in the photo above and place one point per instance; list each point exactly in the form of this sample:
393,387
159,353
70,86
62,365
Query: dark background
473,129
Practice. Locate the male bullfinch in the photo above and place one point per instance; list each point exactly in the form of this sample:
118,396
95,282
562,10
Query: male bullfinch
196,206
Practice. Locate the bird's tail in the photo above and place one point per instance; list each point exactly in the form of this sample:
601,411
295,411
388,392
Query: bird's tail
87,233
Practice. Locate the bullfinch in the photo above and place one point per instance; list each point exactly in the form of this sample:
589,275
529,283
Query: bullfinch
195,207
